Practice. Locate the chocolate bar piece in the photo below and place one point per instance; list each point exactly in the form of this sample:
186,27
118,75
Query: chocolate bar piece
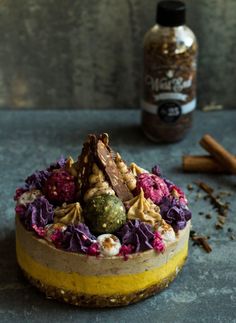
105,139
112,172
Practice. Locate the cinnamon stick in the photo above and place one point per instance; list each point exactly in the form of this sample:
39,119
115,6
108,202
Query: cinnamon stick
203,164
224,157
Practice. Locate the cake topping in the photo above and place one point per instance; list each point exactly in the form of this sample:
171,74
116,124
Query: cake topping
37,179
85,163
158,243
156,170
112,172
175,213
125,251
53,233
77,238
98,184
60,163
154,187
71,167
60,187
109,244
28,197
166,231
99,193
93,249
37,214
127,174
104,214
136,170
177,193
19,192
68,213
96,150
137,234
143,209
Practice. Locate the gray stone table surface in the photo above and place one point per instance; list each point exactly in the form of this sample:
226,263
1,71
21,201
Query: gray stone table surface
205,291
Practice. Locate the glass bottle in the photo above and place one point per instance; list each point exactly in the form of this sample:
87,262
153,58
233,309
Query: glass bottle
169,75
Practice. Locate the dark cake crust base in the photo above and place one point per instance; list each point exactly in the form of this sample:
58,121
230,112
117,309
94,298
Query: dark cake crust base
97,301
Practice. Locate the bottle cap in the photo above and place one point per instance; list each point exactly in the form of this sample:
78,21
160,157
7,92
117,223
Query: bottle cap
171,13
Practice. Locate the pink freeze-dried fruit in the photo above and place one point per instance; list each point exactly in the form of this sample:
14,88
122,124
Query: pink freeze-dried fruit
153,187
60,187
93,249
158,243
176,192
125,251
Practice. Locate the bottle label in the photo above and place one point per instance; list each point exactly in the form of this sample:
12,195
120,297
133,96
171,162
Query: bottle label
169,104
169,111
169,91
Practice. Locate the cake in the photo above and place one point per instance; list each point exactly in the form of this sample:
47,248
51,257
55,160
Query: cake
97,232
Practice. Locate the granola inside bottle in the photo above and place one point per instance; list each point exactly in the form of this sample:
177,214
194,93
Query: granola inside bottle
169,75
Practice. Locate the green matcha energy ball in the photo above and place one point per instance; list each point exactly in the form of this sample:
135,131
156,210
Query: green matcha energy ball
104,214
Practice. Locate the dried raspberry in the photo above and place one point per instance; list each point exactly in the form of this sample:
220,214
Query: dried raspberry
60,187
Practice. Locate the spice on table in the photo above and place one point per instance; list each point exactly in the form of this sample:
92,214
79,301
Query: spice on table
222,208
190,187
233,236
201,241
212,107
226,193
169,75
203,164
224,157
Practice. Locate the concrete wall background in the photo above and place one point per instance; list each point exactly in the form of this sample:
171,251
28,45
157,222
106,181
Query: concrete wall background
87,53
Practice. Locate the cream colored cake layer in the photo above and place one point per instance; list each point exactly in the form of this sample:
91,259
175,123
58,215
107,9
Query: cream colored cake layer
63,261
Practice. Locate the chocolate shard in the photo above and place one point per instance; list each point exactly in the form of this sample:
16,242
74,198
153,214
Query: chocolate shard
104,137
84,165
111,171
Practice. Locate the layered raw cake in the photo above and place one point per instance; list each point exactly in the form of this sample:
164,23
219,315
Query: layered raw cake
96,232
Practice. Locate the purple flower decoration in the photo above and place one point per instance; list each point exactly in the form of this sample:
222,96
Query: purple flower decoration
60,163
156,170
174,190
37,179
37,214
78,238
137,234
168,182
175,213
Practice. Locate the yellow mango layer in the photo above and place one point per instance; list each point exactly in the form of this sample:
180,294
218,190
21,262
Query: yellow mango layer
99,285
